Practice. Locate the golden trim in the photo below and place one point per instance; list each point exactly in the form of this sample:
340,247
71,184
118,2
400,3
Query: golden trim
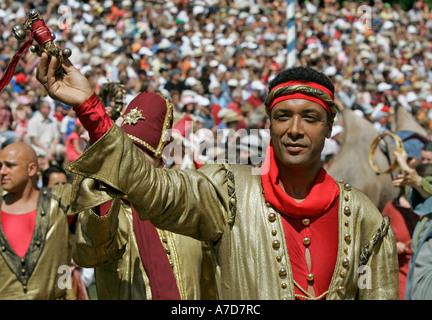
174,258
163,140
374,145
307,295
166,126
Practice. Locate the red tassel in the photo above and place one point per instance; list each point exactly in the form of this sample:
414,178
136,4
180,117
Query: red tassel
10,70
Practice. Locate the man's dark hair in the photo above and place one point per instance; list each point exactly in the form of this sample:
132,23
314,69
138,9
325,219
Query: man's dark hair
46,174
424,169
302,74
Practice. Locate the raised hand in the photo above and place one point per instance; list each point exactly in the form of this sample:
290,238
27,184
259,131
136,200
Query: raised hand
71,88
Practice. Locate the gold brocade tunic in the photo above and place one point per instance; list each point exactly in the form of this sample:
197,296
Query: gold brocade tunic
109,245
43,273
224,204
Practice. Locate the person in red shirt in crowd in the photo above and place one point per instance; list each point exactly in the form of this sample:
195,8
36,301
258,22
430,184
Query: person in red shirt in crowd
255,98
34,231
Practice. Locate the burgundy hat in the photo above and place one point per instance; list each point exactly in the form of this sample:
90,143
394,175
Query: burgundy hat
147,121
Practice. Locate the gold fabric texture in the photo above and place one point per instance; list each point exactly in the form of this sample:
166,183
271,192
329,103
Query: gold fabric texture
109,245
224,204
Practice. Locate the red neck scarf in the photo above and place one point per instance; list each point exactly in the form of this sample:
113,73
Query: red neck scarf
314,204
321,207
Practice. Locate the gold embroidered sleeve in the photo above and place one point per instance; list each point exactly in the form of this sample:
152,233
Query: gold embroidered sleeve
190,202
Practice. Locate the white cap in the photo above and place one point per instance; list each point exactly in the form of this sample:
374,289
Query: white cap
411,29
257,85
209,48
214,84
411,97
191,81
197,10
232,83
330,71
144,51
95,61
110,34
79,38
164,44
213,63
382,86
203,101
407,68
243,82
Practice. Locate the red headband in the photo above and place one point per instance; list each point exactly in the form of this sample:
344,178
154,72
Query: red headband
299,95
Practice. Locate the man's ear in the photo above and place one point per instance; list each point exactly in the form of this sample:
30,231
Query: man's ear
32,169
329,128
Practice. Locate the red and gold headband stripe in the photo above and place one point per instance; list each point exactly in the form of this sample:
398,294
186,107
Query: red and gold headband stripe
301,90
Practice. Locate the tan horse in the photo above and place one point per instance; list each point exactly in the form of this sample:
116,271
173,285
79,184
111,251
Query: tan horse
351,163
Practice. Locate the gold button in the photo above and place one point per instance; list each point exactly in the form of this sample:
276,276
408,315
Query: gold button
345,262
282,272
272,217
347,211
276,244
306,221
274,232
310,277
167,250
278,258
347,187
347,237
346,198
341,290
306,241
343,273
268,204
284,285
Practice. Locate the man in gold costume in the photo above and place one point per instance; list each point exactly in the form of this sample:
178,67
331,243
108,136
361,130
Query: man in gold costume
291,232
132,259
35,241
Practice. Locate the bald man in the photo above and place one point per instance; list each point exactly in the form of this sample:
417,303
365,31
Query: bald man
35,241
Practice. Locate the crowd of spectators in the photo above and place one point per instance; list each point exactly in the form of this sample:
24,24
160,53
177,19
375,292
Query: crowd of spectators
214,60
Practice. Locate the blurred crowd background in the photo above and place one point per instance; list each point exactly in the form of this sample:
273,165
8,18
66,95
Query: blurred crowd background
214,60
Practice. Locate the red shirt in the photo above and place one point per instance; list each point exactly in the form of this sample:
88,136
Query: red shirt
320,207
323,234
18,229
255,101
